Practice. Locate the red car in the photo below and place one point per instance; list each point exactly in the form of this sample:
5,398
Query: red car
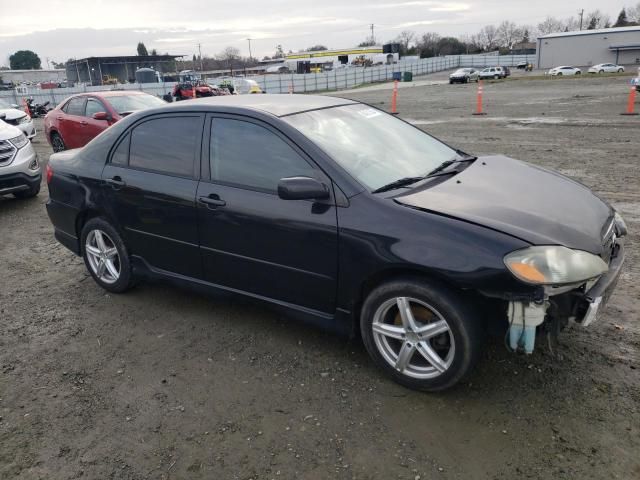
80,118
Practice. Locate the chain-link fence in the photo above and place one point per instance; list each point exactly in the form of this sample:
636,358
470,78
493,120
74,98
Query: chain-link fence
337,79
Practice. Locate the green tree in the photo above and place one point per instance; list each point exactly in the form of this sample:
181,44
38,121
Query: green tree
142,50
622,19
25,60
316,48
367,43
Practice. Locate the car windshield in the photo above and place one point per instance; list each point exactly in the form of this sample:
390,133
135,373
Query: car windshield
131,103
372,146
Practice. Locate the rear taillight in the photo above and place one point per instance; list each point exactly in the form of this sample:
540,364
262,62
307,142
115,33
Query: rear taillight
49,173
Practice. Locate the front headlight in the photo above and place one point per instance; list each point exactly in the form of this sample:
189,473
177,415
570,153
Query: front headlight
554,265
19,141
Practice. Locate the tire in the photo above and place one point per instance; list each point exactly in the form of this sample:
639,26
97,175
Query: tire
32,192
559,74
601,71
454,343
116,274
620,70
450,82
578,73
496,77
57,143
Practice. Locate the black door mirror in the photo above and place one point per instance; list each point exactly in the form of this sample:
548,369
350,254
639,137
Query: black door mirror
302,188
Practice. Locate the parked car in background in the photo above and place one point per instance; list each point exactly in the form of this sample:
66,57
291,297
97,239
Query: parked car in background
79,118
464,75
606,68
492,72
507,71
345,216
564,70
20,171
18,118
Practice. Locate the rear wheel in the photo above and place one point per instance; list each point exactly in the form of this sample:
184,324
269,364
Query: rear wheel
422,335
620,70
496,77
106,256
601,71
578,73
57,143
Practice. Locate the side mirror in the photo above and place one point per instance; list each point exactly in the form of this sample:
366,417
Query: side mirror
15,105
101,116
302,188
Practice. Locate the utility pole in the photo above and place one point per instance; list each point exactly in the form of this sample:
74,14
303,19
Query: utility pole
581,13
200,55
48,63
250,56
373,38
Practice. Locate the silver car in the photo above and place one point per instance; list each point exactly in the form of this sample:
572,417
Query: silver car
464,75
20,170
18,118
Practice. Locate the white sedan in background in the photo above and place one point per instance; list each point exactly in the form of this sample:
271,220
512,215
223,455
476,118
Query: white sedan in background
12,115
606,68
564,70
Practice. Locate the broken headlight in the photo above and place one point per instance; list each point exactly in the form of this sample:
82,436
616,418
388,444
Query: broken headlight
554,265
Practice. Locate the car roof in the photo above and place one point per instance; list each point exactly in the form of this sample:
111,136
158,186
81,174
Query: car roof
110,93
276,104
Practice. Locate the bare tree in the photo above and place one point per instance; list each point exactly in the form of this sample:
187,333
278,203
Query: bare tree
489,37
229,55
508,33
551,25
633,13
571,24
428,45
597,19
405,38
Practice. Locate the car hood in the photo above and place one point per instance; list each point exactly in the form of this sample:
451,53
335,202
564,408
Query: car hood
12,113
528,202
8,131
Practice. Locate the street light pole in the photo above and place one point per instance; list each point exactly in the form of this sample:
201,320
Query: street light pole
250,56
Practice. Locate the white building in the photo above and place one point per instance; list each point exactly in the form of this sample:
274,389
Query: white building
589,47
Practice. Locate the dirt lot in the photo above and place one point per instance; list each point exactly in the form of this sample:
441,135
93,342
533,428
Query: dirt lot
165,383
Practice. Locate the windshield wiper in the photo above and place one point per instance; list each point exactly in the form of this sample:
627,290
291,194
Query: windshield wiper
403,182
437,171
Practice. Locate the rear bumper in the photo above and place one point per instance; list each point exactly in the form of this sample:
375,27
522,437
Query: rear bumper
596,298
17,182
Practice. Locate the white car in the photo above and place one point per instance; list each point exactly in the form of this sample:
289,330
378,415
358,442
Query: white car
492,72
17,118
20,170
564,70
606,68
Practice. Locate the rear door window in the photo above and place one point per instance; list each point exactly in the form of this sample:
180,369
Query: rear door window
166,145
75,106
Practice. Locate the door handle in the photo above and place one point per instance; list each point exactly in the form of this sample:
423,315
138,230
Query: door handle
84,122
212,201
115,182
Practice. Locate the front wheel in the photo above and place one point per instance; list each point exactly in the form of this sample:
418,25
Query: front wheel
57,143
578,73
421,334
620,70
496,77
106,256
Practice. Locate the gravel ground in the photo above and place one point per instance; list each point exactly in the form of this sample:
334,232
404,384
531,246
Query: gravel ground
164,383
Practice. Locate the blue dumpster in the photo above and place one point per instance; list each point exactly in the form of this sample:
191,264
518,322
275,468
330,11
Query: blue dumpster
397,76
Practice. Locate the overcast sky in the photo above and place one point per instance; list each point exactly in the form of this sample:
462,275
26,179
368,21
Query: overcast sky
62,29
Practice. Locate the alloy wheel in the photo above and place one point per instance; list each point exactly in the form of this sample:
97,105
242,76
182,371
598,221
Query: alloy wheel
57,143
103,257
413,337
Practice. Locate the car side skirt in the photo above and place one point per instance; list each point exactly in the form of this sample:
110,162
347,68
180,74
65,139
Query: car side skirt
339,323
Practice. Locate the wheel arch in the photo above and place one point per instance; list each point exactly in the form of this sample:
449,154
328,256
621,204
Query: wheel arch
388,275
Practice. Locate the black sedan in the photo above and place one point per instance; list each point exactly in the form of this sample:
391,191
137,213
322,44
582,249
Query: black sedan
344,216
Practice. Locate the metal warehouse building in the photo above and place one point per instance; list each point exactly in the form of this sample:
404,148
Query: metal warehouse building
590,47
95,70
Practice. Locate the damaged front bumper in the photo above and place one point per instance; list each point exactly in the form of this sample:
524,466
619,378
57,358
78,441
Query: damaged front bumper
598,295
581,304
